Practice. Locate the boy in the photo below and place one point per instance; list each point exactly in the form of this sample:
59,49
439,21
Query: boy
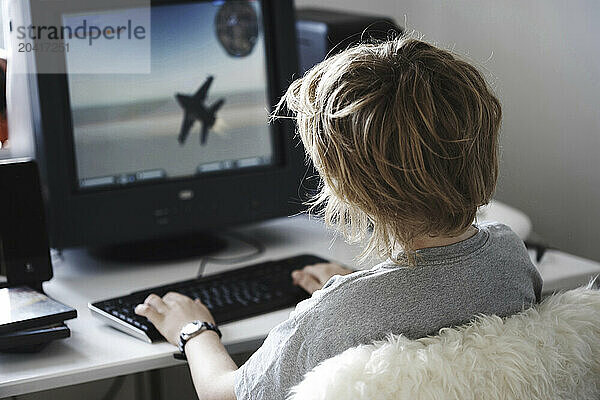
405,138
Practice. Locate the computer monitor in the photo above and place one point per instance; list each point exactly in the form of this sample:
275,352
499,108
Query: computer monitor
182,147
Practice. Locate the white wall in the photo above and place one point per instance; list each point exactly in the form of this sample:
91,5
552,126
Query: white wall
545,58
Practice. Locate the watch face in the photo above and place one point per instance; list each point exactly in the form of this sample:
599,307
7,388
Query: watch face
190,328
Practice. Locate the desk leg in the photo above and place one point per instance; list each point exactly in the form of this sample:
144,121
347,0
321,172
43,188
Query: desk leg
155,384
148,382
140,387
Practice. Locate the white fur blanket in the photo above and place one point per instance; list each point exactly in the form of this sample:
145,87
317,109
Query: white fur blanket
551,351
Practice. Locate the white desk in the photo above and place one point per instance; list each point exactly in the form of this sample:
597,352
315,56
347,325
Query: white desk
95,351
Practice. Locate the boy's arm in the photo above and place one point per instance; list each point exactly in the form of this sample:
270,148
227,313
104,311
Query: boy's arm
211,367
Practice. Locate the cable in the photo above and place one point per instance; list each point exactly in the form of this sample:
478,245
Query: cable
114,388
539,248
259,249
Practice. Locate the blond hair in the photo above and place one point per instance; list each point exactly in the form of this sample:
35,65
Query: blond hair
405,138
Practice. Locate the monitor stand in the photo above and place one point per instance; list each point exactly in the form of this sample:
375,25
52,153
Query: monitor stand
164,249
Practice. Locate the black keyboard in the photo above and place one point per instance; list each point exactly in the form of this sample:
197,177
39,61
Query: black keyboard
230,296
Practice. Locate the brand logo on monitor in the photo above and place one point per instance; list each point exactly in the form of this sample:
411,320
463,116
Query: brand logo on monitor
186,194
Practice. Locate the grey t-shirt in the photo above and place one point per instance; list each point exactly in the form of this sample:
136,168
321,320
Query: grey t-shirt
488,273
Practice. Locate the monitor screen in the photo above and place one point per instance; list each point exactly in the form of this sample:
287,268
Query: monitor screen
201,108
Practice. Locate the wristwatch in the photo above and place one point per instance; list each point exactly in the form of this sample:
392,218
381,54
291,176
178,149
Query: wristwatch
192,330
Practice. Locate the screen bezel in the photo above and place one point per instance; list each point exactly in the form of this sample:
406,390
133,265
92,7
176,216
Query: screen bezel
91,217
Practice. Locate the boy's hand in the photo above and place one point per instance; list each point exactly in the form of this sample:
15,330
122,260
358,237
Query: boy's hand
312,277
171,312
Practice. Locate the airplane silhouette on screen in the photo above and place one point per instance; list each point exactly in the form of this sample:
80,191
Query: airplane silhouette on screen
195,110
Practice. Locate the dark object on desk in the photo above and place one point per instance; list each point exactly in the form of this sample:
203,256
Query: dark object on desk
32,340
230,296
24,250
321,32
28,319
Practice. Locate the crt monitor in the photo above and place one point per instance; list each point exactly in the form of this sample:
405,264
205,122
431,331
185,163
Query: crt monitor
180,143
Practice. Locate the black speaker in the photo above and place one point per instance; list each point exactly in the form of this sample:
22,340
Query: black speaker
322,32
24,249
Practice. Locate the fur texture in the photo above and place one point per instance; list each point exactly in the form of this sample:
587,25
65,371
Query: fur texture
551,351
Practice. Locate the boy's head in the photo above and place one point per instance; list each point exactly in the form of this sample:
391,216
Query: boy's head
405,138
